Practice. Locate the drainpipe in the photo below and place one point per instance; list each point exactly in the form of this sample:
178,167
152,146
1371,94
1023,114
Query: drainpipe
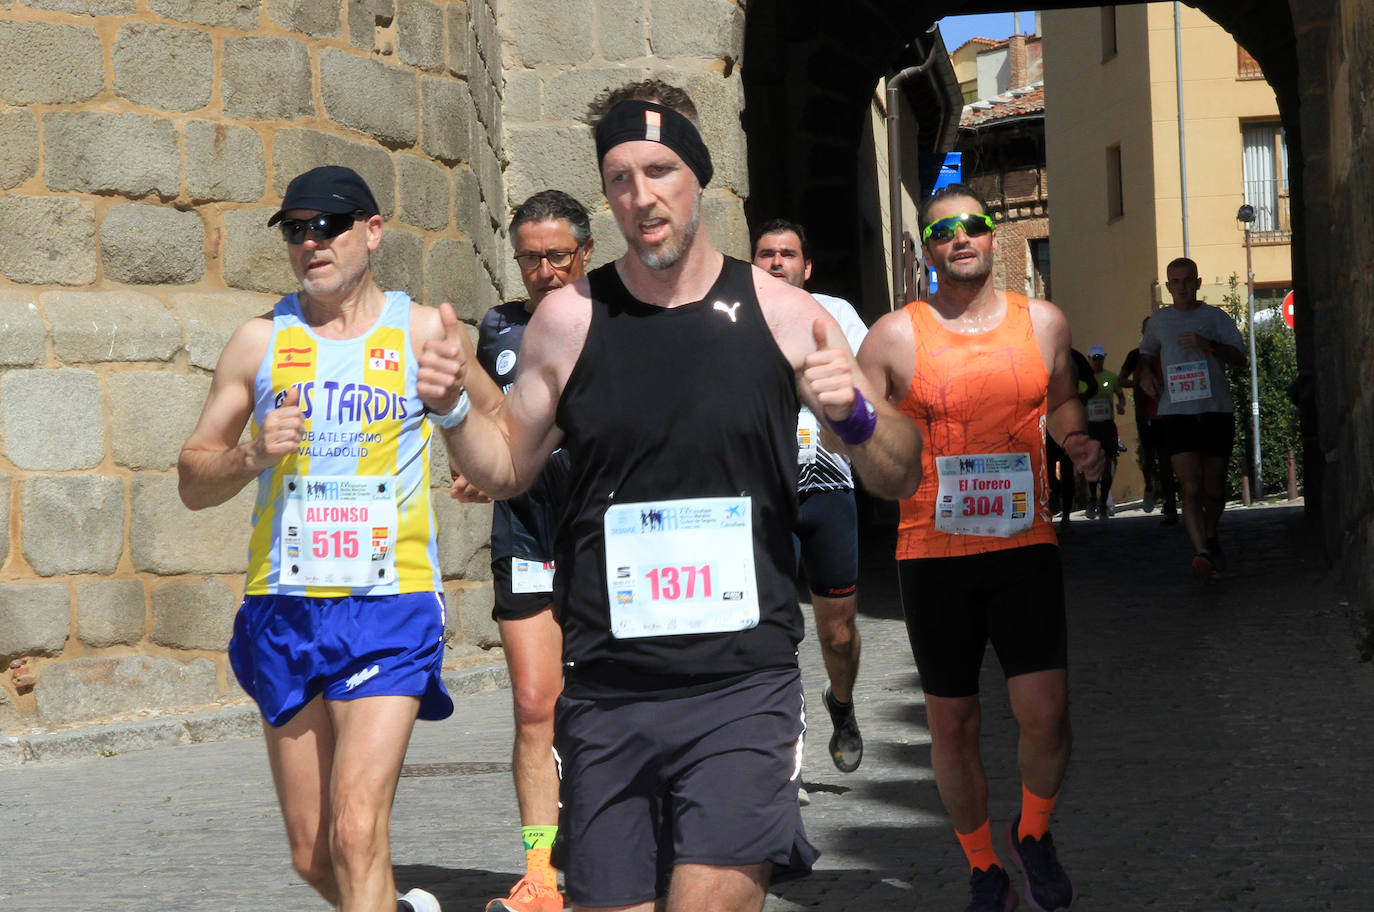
1182,149
894,170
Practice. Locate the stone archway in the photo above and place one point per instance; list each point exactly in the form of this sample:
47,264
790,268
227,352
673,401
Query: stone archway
810,71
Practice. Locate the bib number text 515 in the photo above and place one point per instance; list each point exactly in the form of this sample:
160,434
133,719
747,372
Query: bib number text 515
339,543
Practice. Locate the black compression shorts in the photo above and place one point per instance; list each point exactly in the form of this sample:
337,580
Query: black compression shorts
955,605
826,541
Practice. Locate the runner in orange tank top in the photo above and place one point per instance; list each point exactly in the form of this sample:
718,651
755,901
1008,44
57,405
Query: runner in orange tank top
975,396
985,375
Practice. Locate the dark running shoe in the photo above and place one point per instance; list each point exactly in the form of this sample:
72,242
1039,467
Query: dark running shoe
1047,887
846,745
992,891
1218,556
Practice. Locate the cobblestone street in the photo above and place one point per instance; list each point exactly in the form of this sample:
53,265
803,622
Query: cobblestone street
1218,763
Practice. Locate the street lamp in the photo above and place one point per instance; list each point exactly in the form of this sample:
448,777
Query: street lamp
1245,215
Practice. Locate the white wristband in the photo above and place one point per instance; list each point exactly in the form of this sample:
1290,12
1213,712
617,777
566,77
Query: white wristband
456,416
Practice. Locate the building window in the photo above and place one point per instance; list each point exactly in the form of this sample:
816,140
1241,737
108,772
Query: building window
1116,206
1038,263
1108,32
1246,66
1264,162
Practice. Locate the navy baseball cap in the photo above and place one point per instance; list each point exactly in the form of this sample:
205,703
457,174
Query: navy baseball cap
328,188
1097,351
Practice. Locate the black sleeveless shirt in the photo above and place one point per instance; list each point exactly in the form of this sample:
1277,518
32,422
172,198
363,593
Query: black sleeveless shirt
524,525
666,403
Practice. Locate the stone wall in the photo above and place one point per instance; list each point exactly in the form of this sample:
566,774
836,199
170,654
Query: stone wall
559,57
1338,59
142,147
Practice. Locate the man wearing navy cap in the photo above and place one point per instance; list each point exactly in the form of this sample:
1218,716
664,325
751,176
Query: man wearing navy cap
339,638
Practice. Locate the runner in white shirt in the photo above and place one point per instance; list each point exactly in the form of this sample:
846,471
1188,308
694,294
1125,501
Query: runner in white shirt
826,535
1193,342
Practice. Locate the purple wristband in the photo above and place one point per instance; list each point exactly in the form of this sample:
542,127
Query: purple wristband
859,426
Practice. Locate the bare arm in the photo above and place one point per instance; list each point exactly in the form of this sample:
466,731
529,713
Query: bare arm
1225,353
501,452
214,465
889,461
887,360
1145,375
485,395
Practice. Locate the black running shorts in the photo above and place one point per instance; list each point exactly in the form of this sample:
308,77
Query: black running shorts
509,605
709,779
1211,434
955,605
1104,432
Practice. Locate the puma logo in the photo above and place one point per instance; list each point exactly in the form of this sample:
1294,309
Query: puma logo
728,309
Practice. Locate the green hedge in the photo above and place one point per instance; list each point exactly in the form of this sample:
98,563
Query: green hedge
1277,357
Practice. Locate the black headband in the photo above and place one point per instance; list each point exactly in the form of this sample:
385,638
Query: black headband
643,120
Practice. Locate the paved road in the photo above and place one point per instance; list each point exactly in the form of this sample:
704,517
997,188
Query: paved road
1220,761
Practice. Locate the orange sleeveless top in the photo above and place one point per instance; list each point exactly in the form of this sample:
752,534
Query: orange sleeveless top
974,395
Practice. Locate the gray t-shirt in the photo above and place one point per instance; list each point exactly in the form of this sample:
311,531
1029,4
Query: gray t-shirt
1194,382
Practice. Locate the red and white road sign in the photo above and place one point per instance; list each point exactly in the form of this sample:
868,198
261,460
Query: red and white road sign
1287,309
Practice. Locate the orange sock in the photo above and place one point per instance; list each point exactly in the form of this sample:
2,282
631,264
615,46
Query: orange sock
537,868
1035,814
538,845
978,848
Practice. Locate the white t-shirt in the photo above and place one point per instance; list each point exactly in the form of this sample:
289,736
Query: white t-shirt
821,469
1194,382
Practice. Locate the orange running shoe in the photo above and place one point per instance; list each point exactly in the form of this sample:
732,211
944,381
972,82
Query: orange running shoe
528,896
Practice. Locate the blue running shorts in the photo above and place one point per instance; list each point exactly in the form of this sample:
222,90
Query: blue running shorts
289,649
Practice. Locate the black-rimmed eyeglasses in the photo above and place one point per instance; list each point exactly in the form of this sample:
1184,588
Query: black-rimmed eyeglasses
558,259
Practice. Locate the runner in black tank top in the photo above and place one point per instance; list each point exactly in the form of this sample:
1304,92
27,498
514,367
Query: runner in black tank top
679,753
691,401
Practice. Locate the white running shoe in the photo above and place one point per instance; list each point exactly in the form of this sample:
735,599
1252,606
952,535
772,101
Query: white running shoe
420,901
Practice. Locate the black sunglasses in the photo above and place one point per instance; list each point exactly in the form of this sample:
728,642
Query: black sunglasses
321,227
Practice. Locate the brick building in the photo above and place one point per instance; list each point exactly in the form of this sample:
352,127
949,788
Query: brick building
1003,144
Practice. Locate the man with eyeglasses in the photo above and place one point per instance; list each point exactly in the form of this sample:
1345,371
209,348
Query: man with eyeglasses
827,530
985,374
673,377
340,637
552,237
